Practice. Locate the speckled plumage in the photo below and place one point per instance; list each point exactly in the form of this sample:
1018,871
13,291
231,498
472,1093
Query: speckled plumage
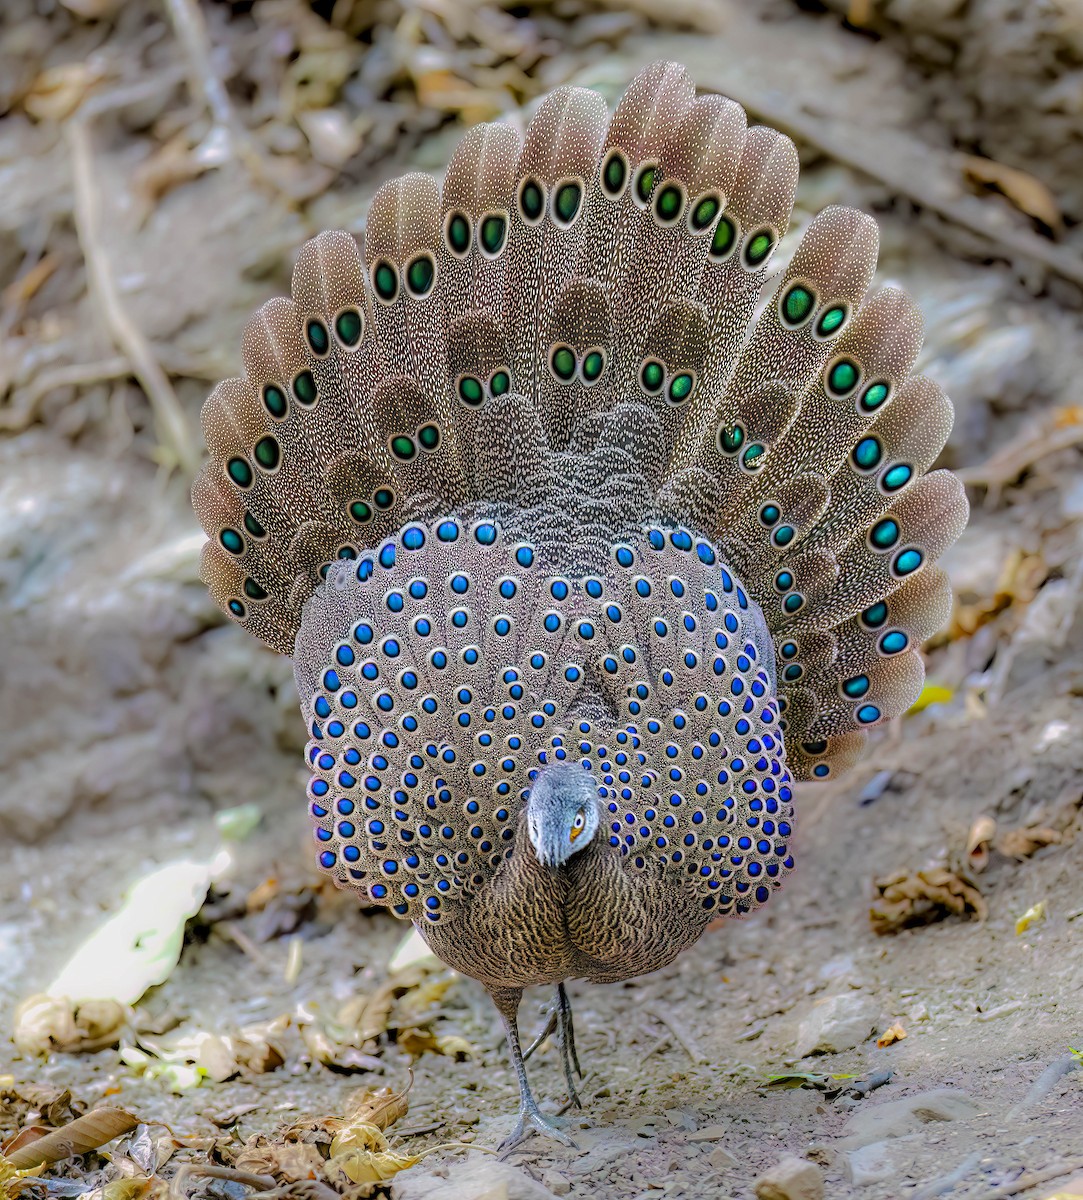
526,482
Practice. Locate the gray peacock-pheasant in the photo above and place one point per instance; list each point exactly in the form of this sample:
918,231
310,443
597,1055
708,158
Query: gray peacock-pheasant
580,562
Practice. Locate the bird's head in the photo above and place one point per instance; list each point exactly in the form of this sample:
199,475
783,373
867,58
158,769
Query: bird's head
561,812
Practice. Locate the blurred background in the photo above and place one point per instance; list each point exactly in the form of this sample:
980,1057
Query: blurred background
160,165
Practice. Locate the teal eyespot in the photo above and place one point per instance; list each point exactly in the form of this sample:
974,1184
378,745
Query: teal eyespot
361,512
873,396
385,281
898,476
789,650
318,339
566,202
645,181
907,561
268,453
831,320
730,438
868,713
458,233
403,448
237,609
232,541
651,376
783,535
274,401
304,388
794,602
753,457
420,275
562,361
884,534
783,581
894,642
867,454
875,615
797,304
843,377
428,436
253,526
680,388
470,390
668,203
814,748
349,326
725,238
759,246
531,201
704,212
593,365
253,590
793,672
494,229
500,383
856,687
615,173
383,498
770,514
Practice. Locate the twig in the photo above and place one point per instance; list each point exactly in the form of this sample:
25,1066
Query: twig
1031,1179
1043,1085
173,429
938,1186
235,934
261,1183
679,1032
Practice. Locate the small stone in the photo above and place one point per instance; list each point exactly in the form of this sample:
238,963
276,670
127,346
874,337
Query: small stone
709,1133
719,1159
792,1178
870,1164
557,1184
898,1118
837,1023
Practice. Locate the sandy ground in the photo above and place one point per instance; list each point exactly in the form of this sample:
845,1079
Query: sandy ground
130,716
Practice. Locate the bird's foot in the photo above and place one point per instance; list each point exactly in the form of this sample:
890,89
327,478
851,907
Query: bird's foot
548,1031
531,1121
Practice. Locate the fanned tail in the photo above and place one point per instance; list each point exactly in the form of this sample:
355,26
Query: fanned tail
563,337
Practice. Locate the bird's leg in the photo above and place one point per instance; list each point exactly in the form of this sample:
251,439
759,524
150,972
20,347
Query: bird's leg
530,1117
568,1034
560,1023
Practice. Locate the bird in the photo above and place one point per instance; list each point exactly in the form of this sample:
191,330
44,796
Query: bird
588,536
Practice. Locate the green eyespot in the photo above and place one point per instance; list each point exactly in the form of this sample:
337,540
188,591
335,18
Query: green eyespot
831,321
593,365
843,377
797,305
253,526
470,390
531,201
348,327
428,437
383,498
758,248
725,238
318,339
458,233
668,203
873,396
615,173
680,387
403,448
232,541
704,212
562,361
652,375
730,438
385,281
494,229
304,388
884,534
566,202
267,452
500,383
867,454
361,512
253,590
420,275
274,401
645,182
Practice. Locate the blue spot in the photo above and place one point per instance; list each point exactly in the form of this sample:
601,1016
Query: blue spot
459,584
327,859
419,589
387,555
323,709
643,587
894,642
413,539
502,626
485,534
868,713
552,623
395,601
559,590
657,541
448,531
706,554
459,618
624,556
507,588
681,540
524,556
331,681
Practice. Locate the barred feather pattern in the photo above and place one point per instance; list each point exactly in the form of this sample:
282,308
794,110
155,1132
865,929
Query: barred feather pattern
524,481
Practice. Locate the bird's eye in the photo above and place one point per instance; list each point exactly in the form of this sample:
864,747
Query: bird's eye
577,824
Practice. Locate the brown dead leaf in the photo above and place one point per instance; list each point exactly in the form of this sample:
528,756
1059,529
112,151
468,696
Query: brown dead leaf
381,1108
891,1035
909,898
417,1042
978,841
1027,193
1022,843
368,1166
88,1132
288,1161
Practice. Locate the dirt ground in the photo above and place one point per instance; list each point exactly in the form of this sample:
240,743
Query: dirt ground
146,210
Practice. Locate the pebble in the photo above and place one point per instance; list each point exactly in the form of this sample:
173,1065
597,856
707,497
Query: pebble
837,1023
792,1178
897,1118
490,1180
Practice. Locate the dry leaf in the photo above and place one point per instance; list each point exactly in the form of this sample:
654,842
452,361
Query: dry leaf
914,898
1035,913
290,1161
381,1108
369,1166
1027,193
891,1035
978,841
88,1132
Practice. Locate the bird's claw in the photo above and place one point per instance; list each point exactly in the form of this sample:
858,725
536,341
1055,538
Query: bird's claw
531,1121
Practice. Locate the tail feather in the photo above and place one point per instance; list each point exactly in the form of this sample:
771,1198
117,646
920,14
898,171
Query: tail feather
562,339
